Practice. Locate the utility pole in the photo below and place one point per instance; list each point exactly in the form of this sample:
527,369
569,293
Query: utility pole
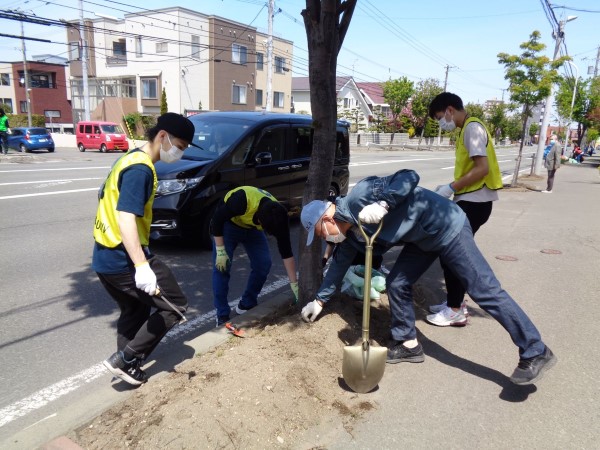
596,66
84,68
270,56
26,76
439,137
559,36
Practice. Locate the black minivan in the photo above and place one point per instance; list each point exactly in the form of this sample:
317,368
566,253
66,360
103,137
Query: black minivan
267,150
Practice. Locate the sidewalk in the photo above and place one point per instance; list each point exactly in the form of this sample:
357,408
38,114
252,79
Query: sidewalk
461,397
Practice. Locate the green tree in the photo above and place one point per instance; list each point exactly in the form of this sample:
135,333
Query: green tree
326,23
587,99
533,129
476,110
531,76
164,107
355,117
425,92
7,108
397,94
497,120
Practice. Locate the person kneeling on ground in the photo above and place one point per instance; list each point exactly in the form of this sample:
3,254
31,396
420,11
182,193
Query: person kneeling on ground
240,219
428,226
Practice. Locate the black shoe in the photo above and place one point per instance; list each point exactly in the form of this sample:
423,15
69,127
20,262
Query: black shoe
129,372
399,353
531,370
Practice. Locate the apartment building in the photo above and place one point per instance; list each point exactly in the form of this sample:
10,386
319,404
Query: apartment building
202,62
47,91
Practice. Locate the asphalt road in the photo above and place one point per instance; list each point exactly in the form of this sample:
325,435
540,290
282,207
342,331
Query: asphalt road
57,321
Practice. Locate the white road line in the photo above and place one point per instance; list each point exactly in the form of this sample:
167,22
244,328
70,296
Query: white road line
446,168
7,197
510,175
51,393
54,170
52,181
506,160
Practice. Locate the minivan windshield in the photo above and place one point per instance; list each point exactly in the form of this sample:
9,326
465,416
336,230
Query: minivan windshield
216,135
112,129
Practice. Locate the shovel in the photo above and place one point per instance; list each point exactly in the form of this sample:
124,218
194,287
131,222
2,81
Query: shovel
363,365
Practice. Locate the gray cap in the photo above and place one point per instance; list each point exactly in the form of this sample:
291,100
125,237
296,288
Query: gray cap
311,214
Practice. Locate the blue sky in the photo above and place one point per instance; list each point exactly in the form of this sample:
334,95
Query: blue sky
387,38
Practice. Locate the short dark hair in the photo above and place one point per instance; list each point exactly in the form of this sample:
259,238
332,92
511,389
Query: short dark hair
273,216
1,112
442,101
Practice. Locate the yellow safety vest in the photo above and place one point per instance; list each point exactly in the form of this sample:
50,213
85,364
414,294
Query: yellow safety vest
253,198
464,163
106,228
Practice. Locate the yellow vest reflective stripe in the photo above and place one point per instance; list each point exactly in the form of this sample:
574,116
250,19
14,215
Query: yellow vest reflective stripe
464,163
106,229
253,198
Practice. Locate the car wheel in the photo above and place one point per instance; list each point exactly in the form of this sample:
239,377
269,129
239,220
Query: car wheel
102,148
333,191
81,147
51,150
23,149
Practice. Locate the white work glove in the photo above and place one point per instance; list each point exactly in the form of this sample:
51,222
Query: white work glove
222,260
145,279
445,190
373,213
311,311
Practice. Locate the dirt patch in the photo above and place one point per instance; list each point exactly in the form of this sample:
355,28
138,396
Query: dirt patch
263,391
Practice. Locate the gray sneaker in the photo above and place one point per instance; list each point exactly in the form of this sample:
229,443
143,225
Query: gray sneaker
399,353
531,370
129,372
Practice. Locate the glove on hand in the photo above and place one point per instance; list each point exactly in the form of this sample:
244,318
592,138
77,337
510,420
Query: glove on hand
222,260
372,213
294,287
145,279
445,190
311,311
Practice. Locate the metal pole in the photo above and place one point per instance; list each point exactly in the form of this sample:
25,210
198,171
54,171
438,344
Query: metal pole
84,69
26,76
439,137
270,56
568,132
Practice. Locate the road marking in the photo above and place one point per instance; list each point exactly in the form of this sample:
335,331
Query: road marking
7,197
51,393
54,170
446,168
389,161
52,181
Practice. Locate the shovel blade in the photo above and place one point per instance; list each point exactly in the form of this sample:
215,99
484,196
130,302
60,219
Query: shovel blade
363,369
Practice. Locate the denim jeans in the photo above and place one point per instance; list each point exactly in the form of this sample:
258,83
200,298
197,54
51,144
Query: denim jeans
256,246
468,264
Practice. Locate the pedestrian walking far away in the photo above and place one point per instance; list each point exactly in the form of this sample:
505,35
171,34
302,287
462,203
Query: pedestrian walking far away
477,179
427,226
136,279
552,163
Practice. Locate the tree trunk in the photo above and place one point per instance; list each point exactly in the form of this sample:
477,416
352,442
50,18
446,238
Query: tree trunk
520,155
326,23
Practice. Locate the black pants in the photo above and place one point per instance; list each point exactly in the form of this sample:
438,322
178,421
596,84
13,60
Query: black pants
139,330
4,141
550,183
477,215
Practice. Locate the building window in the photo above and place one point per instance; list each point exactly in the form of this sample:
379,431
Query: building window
195,47
51,113
278,99
259,97
239,54
7,102
162,47
259,61
23,106
149,88
138,47
74,51
239,94
279,64
4,79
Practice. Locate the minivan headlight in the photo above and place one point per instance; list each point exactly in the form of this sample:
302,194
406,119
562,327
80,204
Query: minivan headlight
168,187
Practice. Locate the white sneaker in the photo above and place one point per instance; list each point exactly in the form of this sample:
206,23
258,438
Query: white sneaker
447,318
239,310
439,308
546,192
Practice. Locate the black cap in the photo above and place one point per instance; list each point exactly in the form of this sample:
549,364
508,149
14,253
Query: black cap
177,125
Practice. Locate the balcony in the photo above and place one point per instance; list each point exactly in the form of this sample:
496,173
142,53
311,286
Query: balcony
116,60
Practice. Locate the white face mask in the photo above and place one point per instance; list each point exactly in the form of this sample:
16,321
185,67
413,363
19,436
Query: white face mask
171,155
447,125
336,238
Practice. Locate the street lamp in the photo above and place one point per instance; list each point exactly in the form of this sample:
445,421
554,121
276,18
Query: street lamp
572,103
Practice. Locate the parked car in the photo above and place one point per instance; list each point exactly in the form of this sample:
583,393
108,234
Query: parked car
103,136
267,150
26,139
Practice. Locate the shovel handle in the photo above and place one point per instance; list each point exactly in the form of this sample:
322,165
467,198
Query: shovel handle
367,288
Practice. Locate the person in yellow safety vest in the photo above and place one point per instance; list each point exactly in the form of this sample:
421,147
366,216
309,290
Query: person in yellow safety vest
122,260
240,218
477,179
